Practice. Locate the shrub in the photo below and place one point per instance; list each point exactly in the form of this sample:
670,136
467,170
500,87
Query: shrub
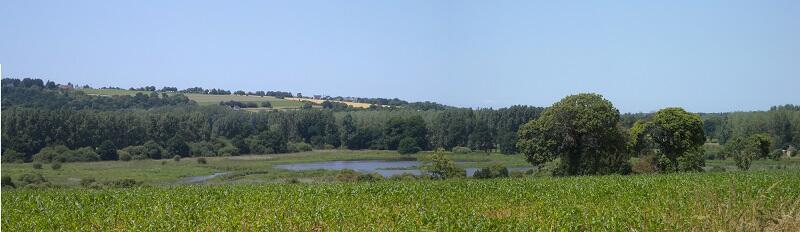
228,151
201,160
48,154
80,155
408,145
645,164
328,147
299,147
123,183
493,171
462,150
7,182
37,165
163,162
404,176
55,165
176,158
87,182
370,177
12,156
717,169
124,155
32,180
441,167
151,150
292,181
347,175
516,174
137,153
776,154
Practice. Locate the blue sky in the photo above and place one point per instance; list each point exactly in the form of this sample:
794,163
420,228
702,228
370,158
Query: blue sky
708,56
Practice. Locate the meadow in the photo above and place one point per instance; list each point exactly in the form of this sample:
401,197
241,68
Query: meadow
726,201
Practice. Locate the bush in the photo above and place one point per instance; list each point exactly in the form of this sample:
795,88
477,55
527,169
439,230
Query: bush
123,183
55,165
32,180
124,155
516,174
83,154
176,158
88,182
717,169
408,145
645,164
347,175
7,182
10,156
201,160
328,147
48,154
462,150
299,147
228,151
493,171
37,165
776,154
138,153
440,167
404,176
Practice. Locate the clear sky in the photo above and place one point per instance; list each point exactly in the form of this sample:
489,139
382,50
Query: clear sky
708,56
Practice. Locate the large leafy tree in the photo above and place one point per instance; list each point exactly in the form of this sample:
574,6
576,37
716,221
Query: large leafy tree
678,135
582,131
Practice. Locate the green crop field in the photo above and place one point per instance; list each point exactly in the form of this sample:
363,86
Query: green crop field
671,202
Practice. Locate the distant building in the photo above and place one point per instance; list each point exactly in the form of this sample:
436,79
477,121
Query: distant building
317,97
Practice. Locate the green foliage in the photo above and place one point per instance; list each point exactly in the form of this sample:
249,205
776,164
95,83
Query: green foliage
107,150
582,131
462,150
267,142
37,165
124,155
176,158
299,147
32,180
55,165
153,150
201,160
176,146
61,153
408,145
676,135
7,182
10,156
411,129
441,167
493,171
228,151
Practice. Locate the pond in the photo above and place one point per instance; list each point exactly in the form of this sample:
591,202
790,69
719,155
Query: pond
382,167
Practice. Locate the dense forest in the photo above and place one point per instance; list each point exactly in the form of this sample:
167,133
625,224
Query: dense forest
44,123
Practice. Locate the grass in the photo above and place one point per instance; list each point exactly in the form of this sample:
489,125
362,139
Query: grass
768,200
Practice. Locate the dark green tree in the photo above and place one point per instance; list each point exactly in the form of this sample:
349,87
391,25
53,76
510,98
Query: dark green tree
582,131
